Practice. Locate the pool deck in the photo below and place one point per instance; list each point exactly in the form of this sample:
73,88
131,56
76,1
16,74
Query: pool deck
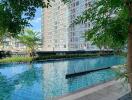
112,90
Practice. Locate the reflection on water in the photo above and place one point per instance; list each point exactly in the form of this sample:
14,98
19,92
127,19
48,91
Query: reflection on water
40,81
88,64
5,87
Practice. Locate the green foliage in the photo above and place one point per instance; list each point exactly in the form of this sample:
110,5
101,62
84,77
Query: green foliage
16,59
121,73
110,23
15,14
30,39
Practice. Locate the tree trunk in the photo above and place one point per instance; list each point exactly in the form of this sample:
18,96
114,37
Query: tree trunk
129,5
130,55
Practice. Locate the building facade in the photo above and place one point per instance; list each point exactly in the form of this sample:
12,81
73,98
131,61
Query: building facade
11,44
58,34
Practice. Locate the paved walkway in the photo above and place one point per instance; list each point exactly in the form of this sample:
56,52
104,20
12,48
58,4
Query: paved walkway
112,90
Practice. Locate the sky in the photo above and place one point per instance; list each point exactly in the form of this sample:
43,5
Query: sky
36,22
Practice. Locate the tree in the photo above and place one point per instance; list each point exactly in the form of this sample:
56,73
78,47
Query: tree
102,41
15,14
112,18
31,40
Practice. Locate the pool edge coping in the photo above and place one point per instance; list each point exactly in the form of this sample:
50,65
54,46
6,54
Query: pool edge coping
86,91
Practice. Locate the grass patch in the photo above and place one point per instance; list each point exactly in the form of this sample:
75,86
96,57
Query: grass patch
16,59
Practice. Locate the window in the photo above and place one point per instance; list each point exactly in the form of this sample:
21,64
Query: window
58,7
55,22
88,24
56,46
55,41
21,45
55,27
77,3
64,46
88,46
76,46
49,46
17,44
6,43
85,24
71,40
73,4
76,39
73,34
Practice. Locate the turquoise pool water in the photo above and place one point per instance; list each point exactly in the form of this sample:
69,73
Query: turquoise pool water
42,81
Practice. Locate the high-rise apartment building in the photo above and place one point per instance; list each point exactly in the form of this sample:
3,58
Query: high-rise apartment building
58,34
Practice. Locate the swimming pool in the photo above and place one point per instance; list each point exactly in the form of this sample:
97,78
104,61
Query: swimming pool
46,80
